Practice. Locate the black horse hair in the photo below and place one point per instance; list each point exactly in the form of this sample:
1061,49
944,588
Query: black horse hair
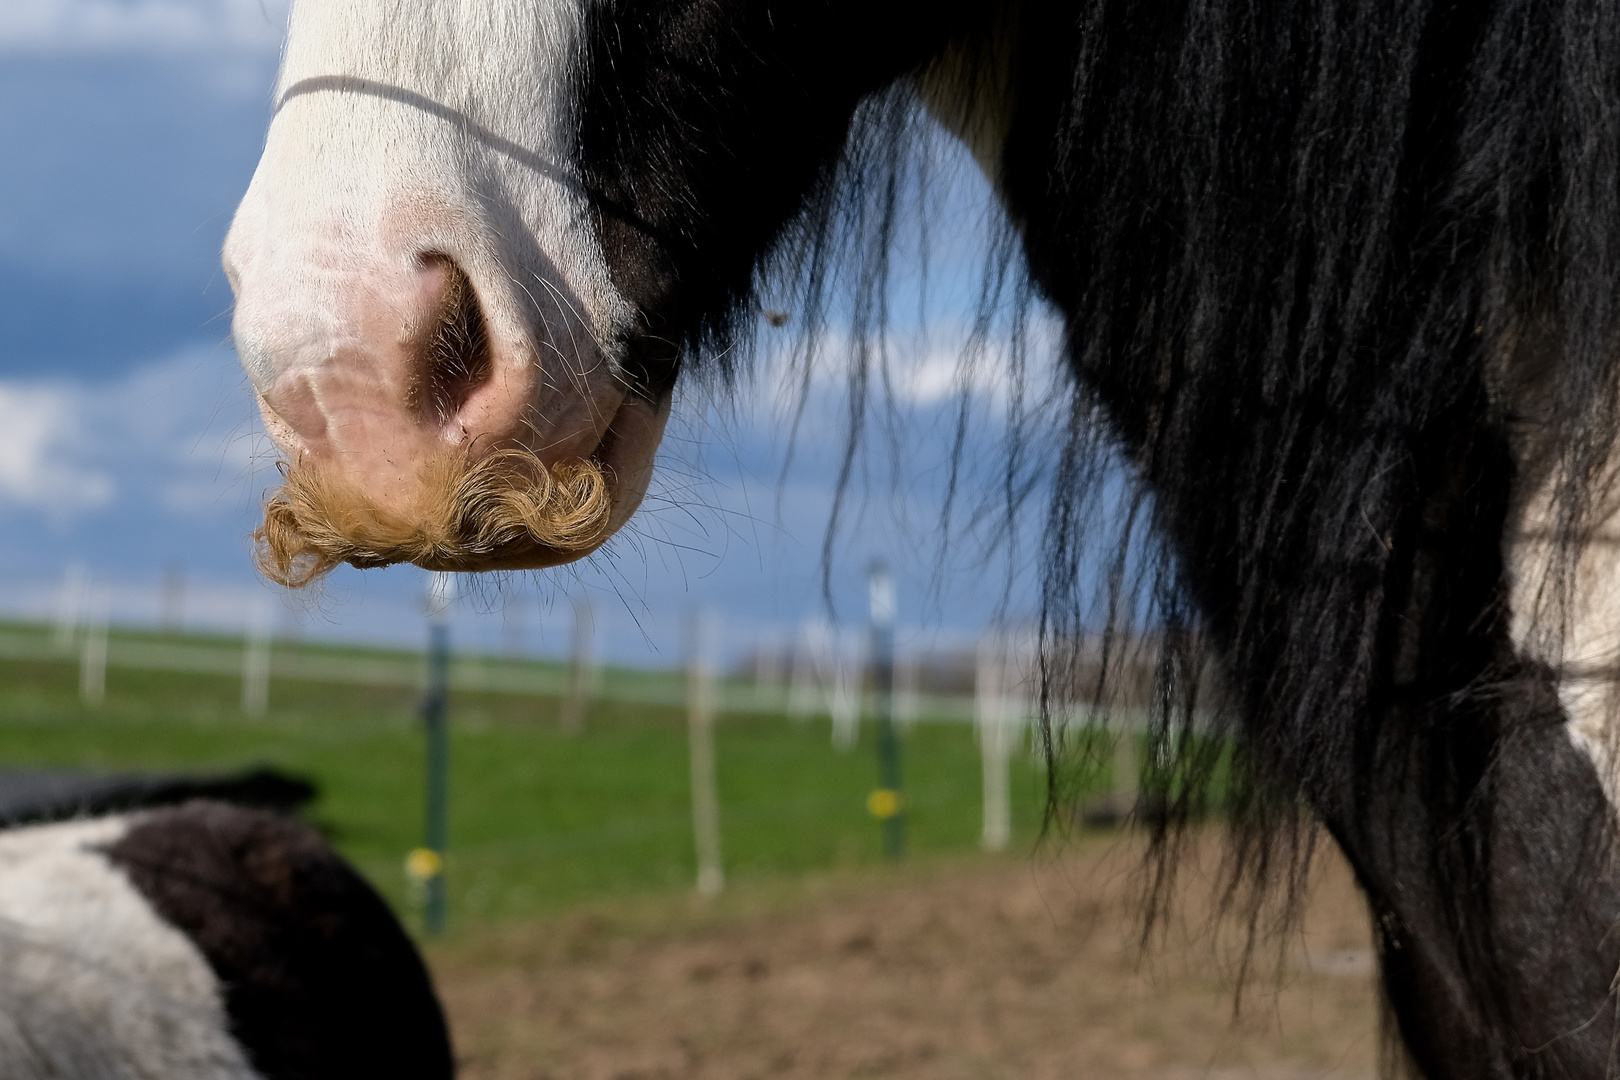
1326,268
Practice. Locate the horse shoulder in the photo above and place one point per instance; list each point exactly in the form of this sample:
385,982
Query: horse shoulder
204,941
97,983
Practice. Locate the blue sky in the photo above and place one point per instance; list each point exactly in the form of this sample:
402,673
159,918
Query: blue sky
128,445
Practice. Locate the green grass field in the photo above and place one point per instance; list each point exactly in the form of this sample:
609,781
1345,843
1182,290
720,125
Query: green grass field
539,821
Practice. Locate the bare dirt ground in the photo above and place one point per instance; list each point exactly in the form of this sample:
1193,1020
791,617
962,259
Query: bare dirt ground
1028,968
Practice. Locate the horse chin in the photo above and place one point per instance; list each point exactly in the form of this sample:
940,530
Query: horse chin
510,508
629,450
626,454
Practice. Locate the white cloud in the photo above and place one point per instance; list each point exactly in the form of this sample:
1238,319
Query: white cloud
923,371
78,26
181,432
40,431
191,420
939,375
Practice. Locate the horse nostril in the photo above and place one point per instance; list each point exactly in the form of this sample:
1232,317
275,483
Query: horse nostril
456,359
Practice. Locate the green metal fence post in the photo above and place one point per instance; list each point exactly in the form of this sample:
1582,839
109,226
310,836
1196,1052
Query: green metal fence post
435,721
886,803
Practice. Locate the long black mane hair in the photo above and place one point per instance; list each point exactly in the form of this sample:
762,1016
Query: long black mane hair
1338,285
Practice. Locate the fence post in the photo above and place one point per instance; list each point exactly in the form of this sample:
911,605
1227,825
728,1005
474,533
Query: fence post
256,662
807,664
173,616
768,660
843,692
989,709
70,605
1000,709
886,803
428,862
580,673
93,655
700,731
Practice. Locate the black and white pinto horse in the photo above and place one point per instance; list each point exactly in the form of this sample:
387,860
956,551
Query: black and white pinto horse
1339,280
203,942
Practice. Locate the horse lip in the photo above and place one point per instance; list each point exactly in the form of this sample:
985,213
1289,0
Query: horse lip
634,432
628,449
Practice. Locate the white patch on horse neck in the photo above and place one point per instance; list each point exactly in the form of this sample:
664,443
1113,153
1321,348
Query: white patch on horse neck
445,126
968,90
95,984
1587,655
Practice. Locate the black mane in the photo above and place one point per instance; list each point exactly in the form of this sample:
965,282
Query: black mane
1326,268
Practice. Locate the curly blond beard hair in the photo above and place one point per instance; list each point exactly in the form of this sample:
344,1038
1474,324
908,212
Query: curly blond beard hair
506,508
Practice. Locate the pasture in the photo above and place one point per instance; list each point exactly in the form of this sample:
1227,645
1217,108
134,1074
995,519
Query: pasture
577,948
539,820
964,968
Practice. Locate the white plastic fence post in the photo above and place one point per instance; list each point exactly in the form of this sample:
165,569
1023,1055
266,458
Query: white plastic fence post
1001,707
173,616
767,659
711,876
93,655
256,662
843,698
844,693
70,605
808,668
989,716
580,670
